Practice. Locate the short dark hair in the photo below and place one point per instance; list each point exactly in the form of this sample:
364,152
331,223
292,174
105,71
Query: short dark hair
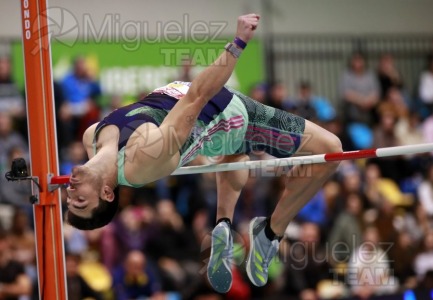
101,215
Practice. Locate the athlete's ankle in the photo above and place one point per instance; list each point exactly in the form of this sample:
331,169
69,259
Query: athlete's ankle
269,232
227,220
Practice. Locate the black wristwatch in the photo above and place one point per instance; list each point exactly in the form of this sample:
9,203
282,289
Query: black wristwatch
233,49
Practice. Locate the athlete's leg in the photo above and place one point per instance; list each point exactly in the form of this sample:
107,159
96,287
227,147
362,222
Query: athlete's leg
302,184
229,186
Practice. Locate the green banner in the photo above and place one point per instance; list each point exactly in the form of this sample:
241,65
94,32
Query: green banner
130,69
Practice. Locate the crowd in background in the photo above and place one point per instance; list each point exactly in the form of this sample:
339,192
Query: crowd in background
367,233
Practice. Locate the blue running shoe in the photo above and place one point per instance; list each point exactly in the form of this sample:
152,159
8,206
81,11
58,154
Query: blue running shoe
219,270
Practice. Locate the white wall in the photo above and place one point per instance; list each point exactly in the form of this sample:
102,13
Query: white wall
293,16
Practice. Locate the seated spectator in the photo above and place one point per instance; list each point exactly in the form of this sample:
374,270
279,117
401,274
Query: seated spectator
134,279
402,256
346,234
176,250
310,106
359,90
413,221
75,155
75,240
80,91
383,134
14,282
306,264
379,189
315,210
11,100
424,260
258,92
350,179
408,131
278,95
425,192
388,75
23,242
9,139
426,84
18,193
369,272
78,288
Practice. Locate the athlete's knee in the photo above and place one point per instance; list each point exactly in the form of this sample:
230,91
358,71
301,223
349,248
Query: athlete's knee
333,146
333,143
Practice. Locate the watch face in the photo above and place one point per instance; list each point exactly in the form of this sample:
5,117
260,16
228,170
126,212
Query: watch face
236,52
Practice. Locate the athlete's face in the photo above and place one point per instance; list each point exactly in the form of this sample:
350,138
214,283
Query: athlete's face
83,192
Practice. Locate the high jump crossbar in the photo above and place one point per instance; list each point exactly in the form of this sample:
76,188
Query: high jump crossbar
291,161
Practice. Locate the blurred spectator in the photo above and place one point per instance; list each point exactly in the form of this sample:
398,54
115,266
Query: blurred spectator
23,244
17,193
394,167
278,95
306,263
350,178
134,279
258,92
426,84
425,192
402,255
424,260
388,74
315,210
346,233
408,131
176,249
415,222
360,91
380,190
14,282
78,288
75,240
369,271
9,139
395,97
383,134
75,155
310,106
80,91
11,100
134,228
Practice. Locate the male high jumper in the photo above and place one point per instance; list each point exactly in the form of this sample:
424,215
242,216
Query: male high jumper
148,140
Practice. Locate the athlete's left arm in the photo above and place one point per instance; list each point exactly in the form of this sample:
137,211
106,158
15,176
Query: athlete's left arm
177,126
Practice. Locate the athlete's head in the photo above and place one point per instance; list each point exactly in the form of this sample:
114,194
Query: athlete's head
91,202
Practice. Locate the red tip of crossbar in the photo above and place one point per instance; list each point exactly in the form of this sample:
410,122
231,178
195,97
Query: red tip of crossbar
368,153
62,179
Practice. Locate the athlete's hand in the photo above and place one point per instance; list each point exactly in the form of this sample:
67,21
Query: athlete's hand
247,24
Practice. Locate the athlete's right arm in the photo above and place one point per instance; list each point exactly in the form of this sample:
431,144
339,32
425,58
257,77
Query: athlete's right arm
180,120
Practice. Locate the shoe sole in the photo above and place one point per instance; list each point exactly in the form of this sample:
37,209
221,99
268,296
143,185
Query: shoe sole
250,255
222,279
